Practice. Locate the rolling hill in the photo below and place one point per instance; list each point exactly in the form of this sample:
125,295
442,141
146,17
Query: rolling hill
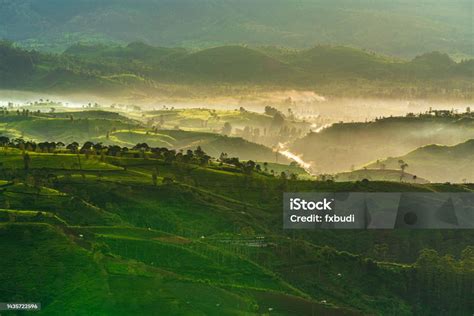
345,145
343,61
234,64
438,163
112,128
213,144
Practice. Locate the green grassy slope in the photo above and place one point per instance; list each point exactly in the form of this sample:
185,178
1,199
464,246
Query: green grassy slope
94,114
49,269
13,159
64,129
73,280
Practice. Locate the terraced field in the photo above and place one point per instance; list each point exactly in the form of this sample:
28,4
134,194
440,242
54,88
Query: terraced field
106,239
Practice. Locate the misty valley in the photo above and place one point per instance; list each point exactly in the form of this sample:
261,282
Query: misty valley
149,151
414,147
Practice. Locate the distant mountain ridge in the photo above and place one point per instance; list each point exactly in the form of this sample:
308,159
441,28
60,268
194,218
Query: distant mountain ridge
397,27
335,70
327,59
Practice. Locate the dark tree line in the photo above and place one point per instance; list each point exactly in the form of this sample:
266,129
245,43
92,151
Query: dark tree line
140,150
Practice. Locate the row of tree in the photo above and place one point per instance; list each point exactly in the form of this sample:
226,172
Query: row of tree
140,150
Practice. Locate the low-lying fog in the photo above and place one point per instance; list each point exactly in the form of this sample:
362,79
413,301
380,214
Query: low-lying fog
319,153
304,104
